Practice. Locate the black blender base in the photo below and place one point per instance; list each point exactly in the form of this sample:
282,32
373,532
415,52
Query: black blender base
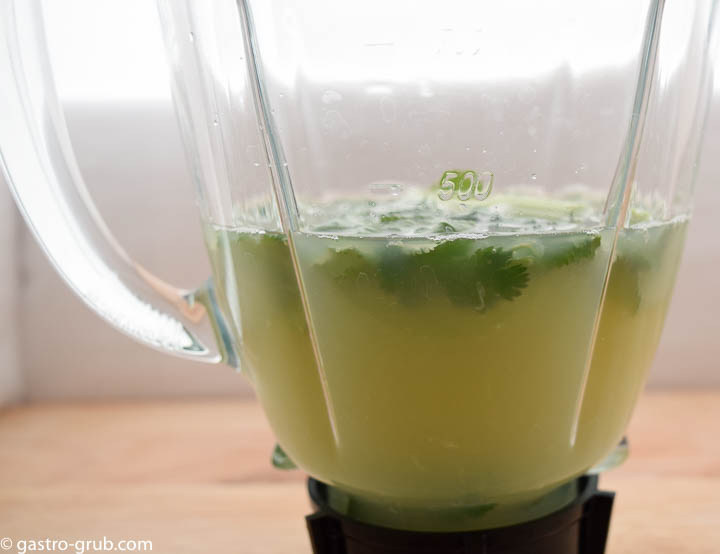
579,528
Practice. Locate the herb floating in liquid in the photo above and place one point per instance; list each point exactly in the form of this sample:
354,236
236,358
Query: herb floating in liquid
475,277
345,266
478,278
575,252
389,218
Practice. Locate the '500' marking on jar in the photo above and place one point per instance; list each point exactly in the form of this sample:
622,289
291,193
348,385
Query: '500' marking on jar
466,185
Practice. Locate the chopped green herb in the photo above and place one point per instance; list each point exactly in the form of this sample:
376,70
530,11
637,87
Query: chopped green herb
444,227
574,251
478,279
499,274
346,265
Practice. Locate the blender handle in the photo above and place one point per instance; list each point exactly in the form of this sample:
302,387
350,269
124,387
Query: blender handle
37,159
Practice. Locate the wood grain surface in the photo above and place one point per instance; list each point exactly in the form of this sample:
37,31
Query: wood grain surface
194,477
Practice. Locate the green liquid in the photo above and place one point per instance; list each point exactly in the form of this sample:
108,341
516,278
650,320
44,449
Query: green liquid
457,372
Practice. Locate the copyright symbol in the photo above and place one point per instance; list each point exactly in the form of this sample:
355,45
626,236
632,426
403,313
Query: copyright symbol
6,543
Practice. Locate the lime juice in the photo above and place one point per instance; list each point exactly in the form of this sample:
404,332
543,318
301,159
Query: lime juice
453,368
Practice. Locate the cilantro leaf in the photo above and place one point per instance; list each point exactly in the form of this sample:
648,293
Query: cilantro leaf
478,279
500,274
444,227
345,265
574,251
450,263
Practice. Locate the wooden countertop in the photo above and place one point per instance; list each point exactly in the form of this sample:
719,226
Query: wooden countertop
194,477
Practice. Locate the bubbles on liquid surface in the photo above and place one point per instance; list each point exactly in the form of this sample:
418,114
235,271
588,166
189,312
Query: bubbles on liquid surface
417,213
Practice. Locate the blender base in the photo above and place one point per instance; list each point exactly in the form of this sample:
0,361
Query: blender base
581,527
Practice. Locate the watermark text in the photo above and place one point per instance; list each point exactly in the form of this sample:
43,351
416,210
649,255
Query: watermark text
79,546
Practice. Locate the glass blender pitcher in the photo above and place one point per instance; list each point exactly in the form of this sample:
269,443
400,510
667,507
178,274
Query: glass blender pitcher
443,237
